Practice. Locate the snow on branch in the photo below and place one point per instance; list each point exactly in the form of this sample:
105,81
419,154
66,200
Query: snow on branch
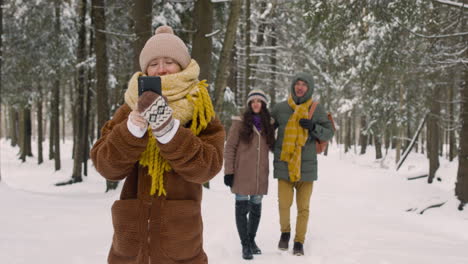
452,3
212,33
458,34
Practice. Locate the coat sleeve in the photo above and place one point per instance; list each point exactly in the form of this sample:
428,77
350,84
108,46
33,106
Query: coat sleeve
230,150
117,151
323,129
196,158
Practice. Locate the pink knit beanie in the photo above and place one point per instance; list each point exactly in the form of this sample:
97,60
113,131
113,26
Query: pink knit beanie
164,44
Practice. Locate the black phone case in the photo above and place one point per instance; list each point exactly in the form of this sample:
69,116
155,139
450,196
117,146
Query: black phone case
149,83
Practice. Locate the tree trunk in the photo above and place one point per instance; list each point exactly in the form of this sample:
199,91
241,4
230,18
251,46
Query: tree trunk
451,133
142,15
461,186
25,132
228,44
399,128
87,97
248,59
363,135
22,134
13,119
51,129
433,135
387,136
100,47
260,40
202,45
273,66
79,98
378,147
99,19
56,98
348,125
40,132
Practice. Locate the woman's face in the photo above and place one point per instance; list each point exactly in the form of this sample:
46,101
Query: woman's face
162,66
256,106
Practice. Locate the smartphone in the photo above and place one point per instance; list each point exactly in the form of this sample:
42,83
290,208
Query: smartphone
149,83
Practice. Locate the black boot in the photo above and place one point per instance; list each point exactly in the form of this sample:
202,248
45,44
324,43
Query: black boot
242,208
298,249
284,241
254,220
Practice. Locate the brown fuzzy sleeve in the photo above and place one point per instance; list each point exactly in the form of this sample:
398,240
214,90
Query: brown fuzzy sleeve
196,158
116,152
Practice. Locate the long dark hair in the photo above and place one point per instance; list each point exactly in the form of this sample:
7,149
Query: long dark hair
267,127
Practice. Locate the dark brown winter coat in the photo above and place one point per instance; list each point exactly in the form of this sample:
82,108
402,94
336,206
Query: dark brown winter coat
158,229
247,161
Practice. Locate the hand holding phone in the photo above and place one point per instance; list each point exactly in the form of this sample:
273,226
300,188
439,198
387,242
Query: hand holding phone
149,83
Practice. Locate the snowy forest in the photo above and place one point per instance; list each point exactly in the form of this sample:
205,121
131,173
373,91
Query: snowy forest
393,73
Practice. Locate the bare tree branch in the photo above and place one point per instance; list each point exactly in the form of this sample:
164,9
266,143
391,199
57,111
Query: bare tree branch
452,3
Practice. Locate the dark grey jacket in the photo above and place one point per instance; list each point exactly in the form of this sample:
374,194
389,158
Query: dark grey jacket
323,131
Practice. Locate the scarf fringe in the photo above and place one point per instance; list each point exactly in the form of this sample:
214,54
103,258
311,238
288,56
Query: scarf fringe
202,115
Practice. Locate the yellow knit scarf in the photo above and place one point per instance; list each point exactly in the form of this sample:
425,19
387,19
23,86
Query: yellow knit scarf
295,138
189,100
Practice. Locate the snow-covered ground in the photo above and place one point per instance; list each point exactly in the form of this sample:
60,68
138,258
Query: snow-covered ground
362,212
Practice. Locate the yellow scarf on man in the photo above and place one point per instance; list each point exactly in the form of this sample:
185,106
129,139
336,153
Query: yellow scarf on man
189,100
295,138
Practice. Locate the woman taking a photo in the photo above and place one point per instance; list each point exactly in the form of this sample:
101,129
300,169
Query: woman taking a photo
246,167
165,146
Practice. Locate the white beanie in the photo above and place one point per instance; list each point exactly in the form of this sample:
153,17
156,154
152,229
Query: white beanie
257,94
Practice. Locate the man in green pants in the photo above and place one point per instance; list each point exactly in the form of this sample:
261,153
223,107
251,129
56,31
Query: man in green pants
295,162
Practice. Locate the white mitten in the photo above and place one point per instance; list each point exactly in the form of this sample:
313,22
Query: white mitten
157,112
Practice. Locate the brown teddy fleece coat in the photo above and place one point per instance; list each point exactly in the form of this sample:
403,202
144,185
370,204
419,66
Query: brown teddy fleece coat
158,229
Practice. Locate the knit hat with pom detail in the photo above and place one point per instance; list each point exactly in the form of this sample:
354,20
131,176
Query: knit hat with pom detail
257,94
164,44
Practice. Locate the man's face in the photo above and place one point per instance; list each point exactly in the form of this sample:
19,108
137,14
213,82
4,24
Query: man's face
300,88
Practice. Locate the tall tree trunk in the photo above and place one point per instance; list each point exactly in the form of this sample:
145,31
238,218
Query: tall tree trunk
40,131
461,186
273,66
88,91
100,47
1,62
347,138
378,147
451,133
99,19
232,80
260,40
387,138
51,128
433,135
56,97
25,132
399,127
228,44
202,45
13,119
141,13
79,111
248,59
363,135
22,134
